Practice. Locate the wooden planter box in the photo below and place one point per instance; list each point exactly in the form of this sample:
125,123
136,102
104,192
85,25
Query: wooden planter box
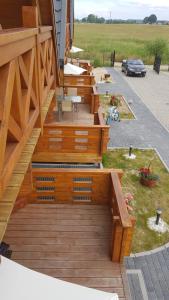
148,182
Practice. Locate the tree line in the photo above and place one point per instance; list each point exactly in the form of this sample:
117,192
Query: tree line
91,18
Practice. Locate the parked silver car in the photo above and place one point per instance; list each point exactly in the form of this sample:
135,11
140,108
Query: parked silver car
133,67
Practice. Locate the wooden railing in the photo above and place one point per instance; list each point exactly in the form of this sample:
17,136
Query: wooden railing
123,222
71,186
46,61
26,77
87,186
68,143
85,65
75,80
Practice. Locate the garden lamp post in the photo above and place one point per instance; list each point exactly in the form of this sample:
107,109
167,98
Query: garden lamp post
130,150
158,215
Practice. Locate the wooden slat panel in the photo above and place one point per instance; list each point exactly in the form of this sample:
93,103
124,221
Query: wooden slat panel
70,80
96,190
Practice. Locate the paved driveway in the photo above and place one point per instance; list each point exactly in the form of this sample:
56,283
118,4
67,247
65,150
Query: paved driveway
154,92
144,132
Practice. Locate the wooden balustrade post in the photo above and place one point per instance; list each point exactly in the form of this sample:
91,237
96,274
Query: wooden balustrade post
127,240
92,80
92,104
96,102
117,235
102,138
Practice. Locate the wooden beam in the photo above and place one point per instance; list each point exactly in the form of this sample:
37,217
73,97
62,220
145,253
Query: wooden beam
36,3
30,16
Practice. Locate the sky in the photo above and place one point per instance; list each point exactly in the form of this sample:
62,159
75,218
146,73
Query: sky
122,9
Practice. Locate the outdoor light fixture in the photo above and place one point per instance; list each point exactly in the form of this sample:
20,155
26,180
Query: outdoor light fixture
158,212
130,150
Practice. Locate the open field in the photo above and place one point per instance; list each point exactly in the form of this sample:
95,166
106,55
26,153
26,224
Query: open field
99,40
146,200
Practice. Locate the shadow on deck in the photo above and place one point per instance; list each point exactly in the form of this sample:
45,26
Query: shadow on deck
70,242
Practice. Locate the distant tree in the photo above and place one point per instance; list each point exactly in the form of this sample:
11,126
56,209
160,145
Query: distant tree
100,20
84,20
152,19
91,18
109,21
146,20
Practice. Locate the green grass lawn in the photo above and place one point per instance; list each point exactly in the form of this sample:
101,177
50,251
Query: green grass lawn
146,200
129,40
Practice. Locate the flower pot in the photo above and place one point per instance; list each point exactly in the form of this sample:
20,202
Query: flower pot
148,182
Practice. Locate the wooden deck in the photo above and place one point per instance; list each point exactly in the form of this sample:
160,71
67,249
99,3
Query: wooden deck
82,116
70,242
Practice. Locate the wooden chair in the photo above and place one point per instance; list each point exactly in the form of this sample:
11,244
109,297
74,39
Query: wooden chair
72,91
67,106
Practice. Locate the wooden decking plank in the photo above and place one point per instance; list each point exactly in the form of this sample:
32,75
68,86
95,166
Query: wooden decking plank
81,273
58,216
61,248
65,222
61,256
67,211
57,241
46,234
70,206
67,242
100,228
77,264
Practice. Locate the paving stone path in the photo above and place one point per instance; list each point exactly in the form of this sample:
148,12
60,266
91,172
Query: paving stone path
144,132
153,266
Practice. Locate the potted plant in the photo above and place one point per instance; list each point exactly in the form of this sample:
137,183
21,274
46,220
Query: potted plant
115,101
148,178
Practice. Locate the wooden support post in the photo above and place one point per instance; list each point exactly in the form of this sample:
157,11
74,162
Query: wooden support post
30,16
92,80
117,235
127,240
102,146
36,3
121,240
